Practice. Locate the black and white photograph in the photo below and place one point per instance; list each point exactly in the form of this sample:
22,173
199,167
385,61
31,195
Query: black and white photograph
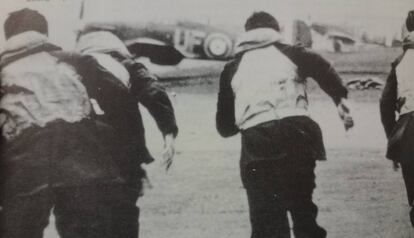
206,118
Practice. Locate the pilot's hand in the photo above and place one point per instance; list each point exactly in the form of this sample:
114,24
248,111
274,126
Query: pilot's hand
3,119
400,103
146,185
344,111
395,166
169,151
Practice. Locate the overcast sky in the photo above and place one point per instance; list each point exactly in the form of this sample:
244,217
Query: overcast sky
375,15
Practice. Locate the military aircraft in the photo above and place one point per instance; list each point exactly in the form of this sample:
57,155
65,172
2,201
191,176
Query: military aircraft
169,43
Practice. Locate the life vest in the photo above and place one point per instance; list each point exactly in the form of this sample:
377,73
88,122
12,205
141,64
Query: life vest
267,87
38,89
405,81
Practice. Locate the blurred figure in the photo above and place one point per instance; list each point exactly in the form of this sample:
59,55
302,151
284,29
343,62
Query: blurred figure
115,58
53,154
263,96
398,98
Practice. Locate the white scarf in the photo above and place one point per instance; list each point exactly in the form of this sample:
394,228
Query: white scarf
101,42
23,42
257,38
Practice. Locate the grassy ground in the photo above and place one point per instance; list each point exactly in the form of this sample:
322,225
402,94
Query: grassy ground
358,193
375,60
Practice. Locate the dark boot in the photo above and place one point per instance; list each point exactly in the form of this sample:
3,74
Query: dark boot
319,232
316,232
